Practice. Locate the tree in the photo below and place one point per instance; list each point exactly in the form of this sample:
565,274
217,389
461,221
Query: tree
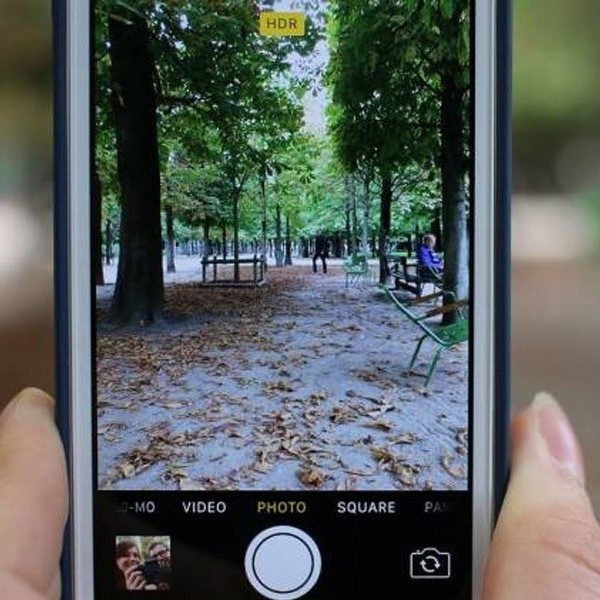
96,212
236,82
139,288
378,119
437,34
400,78
454,75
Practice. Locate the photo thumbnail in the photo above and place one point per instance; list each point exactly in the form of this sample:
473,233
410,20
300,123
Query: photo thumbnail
143,563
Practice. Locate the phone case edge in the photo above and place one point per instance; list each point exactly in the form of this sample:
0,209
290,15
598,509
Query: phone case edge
61,256
502,293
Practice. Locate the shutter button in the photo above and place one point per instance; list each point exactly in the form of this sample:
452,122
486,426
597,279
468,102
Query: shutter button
283,563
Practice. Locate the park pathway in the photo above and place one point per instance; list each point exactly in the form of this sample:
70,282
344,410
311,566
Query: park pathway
300,384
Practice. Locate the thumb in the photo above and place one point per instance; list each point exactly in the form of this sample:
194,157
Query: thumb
33,495
547,541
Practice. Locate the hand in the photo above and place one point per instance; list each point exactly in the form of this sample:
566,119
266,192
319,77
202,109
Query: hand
33,499
134,580
547,541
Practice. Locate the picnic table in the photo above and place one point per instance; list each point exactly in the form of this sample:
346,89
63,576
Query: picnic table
212,276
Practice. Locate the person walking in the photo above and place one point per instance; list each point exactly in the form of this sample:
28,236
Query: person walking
321,251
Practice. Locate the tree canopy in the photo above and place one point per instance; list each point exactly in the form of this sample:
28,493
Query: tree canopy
358,128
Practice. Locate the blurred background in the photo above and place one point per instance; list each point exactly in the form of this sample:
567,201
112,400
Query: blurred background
556,210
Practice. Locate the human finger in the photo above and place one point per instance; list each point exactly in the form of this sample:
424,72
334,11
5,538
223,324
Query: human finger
547,541
33,491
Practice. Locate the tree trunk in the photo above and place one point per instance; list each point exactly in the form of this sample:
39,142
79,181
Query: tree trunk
278,240
303,250
436,229
454,200
350,201
337,245
170,239
139,292
366,218
97,226
236,235
206,241
96,209
108,241
263,190
418,237
348,232
288,242
224,240
354,216
384,230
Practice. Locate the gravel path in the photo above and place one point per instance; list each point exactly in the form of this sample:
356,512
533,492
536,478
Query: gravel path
299,384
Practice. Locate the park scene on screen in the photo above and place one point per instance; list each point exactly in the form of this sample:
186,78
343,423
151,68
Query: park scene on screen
280,233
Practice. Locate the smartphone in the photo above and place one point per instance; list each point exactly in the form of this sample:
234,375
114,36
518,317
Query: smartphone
282,257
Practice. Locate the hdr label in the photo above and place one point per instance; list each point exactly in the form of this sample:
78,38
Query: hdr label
282,24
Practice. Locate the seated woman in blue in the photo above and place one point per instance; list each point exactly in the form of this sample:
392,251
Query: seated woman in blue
427,257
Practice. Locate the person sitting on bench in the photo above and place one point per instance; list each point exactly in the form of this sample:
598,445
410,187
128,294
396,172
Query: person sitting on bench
430,268
429,261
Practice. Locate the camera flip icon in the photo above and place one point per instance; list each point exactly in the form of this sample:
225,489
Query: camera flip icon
430,563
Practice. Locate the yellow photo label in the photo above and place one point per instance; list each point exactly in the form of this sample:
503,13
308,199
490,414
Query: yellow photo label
282,24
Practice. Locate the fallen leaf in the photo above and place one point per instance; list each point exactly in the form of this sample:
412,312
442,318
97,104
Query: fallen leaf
349,483
312,477
341,414
403,438
406,474
186,484
381,425
456,471
383,455
174,473
275,388
126,470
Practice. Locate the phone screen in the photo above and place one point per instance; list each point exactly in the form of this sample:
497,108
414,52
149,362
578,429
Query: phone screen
282,211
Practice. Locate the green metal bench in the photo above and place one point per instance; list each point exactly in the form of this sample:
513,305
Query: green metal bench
356,269
445,336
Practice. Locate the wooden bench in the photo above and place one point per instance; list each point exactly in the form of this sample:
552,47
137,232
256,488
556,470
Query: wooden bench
445,336
412,277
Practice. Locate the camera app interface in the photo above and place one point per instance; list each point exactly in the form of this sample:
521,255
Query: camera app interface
281,214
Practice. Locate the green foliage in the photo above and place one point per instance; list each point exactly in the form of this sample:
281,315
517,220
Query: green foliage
195,192
380,119
232,143
385,73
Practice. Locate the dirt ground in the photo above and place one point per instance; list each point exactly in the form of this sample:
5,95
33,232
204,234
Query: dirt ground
299,384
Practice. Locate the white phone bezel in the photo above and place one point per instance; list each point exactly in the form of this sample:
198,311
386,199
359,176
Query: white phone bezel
78,111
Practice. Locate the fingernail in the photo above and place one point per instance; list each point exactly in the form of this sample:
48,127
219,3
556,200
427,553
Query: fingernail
558,435
29,399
